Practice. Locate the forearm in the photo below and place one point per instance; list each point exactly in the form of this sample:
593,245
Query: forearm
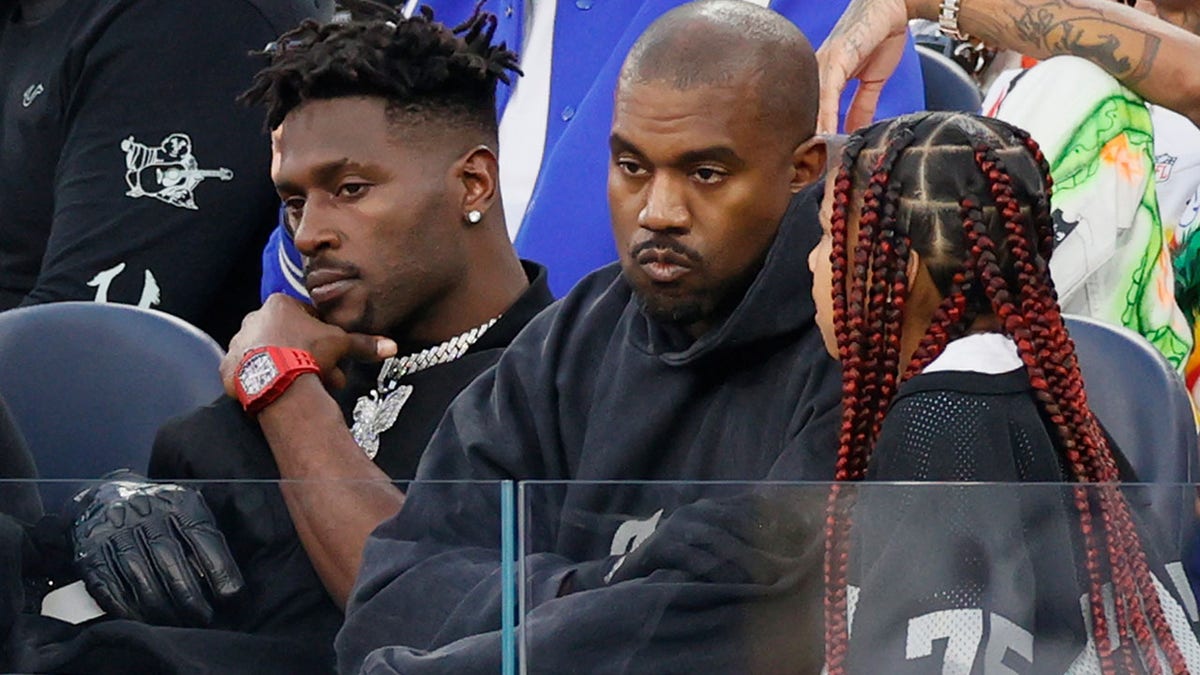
336,496
1150,56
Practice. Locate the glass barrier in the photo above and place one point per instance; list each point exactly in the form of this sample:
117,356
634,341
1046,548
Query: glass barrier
581,577
212,576
922,578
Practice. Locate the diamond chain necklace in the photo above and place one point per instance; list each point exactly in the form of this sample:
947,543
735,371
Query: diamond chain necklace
378,410
395,367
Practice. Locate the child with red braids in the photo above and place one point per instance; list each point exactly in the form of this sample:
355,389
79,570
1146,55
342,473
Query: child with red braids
932,288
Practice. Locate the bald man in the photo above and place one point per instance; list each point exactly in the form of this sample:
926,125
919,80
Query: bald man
695,358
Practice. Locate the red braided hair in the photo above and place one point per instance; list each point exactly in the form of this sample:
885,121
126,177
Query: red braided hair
987,259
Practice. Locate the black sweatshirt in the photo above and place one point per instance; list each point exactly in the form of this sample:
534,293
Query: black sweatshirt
594,390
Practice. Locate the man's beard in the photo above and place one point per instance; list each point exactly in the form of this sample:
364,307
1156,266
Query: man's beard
681,311
705,305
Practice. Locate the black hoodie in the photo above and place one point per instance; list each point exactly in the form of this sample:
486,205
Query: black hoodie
594,390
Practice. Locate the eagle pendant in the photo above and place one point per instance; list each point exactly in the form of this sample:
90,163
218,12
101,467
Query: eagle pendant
373,416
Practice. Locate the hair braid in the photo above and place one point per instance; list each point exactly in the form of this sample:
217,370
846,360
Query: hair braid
1134,593
869,345
982,251
836,628
890,282
993,261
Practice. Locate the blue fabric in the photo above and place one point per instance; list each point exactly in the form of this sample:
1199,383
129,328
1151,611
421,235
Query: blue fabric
567,224
278,277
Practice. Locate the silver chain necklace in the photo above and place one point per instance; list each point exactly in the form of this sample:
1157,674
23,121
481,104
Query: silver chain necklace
378,410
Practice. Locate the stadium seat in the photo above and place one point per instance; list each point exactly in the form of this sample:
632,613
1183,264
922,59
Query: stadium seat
89,384
1142,402
947,85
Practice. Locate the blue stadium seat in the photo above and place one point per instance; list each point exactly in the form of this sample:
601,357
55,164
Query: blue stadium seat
89,384
1142,402
947,85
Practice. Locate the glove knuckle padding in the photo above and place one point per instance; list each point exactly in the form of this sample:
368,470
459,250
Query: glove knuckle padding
150,551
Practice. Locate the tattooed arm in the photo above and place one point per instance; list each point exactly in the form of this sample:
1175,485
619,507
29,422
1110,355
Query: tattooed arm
1150,56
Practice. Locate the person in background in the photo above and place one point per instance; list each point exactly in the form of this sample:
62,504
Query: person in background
1128,193
1145,54
128,173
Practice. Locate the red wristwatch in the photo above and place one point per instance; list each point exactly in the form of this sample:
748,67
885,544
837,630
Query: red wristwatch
266,372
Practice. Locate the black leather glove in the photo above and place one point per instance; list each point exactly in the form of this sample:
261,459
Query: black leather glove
152,552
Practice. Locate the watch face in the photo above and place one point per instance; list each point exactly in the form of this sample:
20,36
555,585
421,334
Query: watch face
257,373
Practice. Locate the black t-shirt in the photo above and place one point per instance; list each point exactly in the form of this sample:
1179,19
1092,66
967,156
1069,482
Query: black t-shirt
128,173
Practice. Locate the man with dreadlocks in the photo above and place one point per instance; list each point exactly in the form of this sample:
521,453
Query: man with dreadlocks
932,285
695,358
384,137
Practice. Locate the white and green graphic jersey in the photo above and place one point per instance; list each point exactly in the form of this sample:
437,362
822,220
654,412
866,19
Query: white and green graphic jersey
1113,258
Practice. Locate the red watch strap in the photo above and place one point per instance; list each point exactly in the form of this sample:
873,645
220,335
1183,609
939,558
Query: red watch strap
294,359
289,364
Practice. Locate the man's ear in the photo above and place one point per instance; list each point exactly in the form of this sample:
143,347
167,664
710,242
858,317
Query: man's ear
479,172
808,163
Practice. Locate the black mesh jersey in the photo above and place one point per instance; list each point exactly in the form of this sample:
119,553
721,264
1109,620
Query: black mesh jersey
128,172
988,577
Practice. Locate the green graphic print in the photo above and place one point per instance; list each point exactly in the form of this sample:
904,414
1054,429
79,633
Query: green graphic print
1114,145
